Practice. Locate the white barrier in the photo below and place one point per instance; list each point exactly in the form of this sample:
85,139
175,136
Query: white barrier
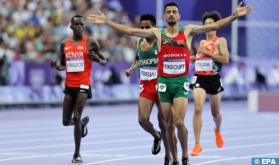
263,101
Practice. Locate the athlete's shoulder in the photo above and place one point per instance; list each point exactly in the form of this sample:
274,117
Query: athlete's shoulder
202,41
64,41
221,40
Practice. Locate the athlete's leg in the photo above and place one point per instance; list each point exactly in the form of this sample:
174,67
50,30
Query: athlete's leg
78,108
162,125
168,113
145,107
215,101
68,109
199,95
180,108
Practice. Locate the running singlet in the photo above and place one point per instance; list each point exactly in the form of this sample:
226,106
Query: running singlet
174,56
78,64
147,62
204,64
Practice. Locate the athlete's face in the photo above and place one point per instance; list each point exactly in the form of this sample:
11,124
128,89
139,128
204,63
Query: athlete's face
78,25
171,15
146,24
209,21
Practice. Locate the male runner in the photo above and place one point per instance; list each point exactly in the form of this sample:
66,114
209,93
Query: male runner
146,58
173,64
77,60
211,54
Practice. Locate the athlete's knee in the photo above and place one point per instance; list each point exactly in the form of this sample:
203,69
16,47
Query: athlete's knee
198,110
215,114
179,124
143,121
170,126
76,118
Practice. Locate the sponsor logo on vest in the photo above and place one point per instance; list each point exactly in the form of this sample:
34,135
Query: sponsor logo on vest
175,55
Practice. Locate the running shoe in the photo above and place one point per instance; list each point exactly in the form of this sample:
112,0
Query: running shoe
77,158
156,148
196,150
219,139
85,121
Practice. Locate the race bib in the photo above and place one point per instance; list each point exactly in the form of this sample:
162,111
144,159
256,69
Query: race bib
203,65
148,73
194,79
75,65
186,86
162,87
174,66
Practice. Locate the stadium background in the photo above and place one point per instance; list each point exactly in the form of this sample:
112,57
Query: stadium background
31,32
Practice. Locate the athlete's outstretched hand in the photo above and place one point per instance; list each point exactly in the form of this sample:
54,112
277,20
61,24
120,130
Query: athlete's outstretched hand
241,11
128,72
53,64
99,19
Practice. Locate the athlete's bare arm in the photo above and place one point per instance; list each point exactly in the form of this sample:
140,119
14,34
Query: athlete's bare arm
223,56
240,11
102,19
135,62
94,52
61,66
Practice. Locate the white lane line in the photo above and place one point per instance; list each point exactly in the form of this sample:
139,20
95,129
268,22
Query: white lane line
146,156
70,153
137,139
136,147
135,132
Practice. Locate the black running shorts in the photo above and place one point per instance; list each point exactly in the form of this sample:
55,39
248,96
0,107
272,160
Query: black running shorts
73,91
211,84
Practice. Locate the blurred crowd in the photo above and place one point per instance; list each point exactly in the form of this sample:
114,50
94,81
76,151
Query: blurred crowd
32,30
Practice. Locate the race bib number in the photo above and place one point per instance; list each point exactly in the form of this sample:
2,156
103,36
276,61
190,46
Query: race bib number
140,88
203,65
194,79
162,87
186,86
174,66
75,65
148,73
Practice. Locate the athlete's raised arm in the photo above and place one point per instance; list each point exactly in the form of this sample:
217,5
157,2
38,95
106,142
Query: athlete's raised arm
240,11
102,19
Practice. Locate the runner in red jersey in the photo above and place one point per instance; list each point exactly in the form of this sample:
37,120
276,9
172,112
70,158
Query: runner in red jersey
146,60
77,54
211,54
173,83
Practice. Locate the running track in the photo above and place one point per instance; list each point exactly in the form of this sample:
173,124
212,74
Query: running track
37,137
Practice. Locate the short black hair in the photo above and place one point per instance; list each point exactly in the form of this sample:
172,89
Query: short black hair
171,4
148,17
213,15
76,16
